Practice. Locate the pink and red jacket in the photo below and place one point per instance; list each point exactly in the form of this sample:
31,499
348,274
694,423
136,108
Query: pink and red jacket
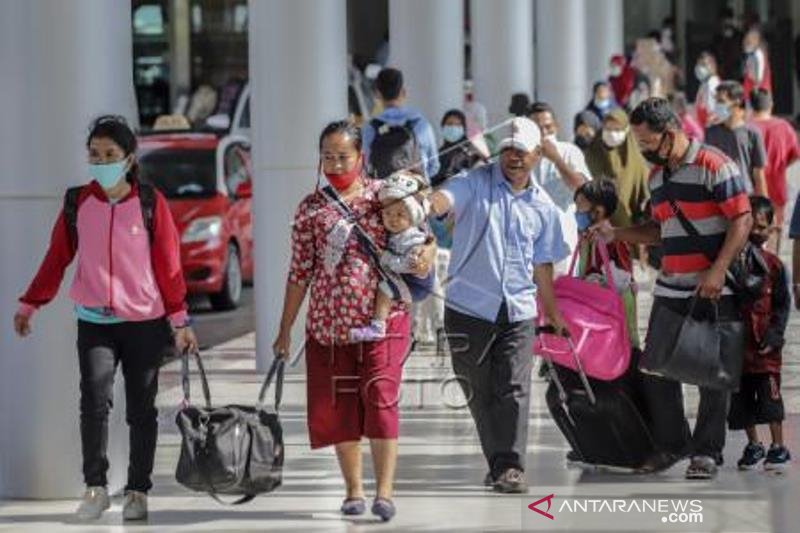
118,267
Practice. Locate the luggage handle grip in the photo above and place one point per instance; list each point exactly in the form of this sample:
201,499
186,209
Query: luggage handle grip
550,330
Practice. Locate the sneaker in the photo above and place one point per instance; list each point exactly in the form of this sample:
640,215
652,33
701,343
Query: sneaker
702,467
135,507
777,459
374,332
95,501
383,508
658,462
753,454
353,506
512,481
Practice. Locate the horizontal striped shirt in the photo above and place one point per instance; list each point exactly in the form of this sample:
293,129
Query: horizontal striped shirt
710,191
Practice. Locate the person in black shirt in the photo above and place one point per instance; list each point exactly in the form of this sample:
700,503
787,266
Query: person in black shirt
456,153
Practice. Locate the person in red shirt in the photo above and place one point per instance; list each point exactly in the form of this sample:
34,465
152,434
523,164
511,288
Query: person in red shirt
758,400
780,141
757,70
622,77
352,387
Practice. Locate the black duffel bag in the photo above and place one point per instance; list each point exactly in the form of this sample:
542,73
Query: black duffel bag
235,449
695,349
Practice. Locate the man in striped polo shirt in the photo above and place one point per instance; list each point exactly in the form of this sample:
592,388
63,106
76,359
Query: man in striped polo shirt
708,188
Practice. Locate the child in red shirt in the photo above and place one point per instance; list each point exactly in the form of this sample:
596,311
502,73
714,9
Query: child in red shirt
759,400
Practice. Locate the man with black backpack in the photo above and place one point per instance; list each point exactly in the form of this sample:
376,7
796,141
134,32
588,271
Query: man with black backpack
400,137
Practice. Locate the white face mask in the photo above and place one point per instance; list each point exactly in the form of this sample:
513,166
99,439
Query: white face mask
552,138
614,138
615,70
702,72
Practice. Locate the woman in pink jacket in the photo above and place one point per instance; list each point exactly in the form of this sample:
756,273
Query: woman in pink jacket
129,297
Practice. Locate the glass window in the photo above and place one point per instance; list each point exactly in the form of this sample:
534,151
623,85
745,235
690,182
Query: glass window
245,120
180,173
240,19
197,18
235,168
148,20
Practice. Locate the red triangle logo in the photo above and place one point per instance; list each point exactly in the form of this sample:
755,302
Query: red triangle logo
549,500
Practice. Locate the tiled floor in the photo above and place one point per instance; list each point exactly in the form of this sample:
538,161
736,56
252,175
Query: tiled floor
438,481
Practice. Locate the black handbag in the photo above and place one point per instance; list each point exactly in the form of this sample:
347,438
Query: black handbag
707,353
235,449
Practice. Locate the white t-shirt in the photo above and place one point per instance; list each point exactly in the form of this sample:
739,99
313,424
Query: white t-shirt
555,190
707,93
548,177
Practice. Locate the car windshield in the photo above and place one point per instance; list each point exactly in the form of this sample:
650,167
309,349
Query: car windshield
180,173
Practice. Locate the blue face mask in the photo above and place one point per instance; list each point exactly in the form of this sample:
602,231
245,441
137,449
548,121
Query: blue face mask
583,219
722,111
108,175
452,133
602,103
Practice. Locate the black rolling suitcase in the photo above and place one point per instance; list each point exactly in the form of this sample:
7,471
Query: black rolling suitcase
601,420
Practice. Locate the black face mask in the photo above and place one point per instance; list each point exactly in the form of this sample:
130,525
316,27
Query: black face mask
583,141
655,157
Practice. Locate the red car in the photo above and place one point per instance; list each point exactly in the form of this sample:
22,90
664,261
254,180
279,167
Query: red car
207,180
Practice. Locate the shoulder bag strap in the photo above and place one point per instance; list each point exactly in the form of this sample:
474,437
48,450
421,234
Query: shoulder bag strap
71,213
367,244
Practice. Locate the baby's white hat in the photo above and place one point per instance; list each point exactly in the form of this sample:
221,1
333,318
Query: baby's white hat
404,185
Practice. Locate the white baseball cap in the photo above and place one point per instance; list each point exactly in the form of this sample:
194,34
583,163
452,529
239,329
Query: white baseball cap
525,135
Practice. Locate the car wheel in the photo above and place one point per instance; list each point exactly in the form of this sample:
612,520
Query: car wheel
231,293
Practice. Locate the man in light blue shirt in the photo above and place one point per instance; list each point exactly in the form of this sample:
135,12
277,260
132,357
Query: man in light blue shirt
390,89
505,241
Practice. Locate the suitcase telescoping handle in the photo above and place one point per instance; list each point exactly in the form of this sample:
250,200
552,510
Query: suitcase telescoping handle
550,330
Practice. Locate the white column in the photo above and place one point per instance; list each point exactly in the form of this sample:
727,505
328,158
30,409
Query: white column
180,56
427,44
502,53
63,63
298,75
561,57
604,37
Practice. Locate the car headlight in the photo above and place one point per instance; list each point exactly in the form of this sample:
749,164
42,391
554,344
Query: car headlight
202,229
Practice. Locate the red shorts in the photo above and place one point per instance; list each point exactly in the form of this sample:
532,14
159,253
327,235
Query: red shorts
353,389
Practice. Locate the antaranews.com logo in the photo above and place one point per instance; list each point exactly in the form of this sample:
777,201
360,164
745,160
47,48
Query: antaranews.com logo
550,509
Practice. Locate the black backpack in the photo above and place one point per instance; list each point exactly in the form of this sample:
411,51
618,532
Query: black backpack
147,198
394,148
